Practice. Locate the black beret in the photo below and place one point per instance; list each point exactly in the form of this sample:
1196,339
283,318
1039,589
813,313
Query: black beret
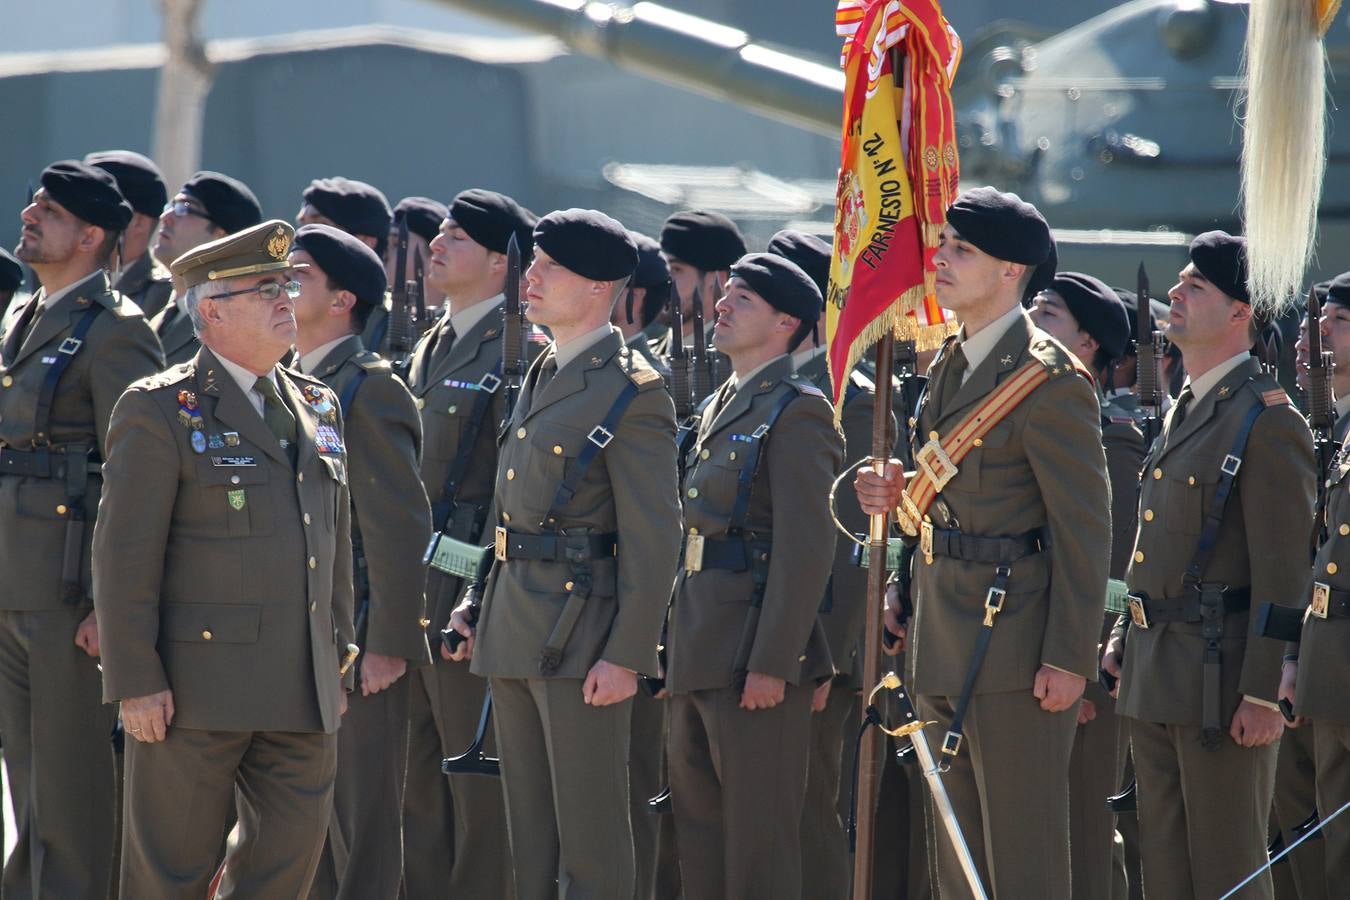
1222,259
138,178
705,240
588,243
491,218
424,215
810,253
11,273
89,193
228,202
345,259
651,271
1003,225
1097,309
354,206
1338,290
781,283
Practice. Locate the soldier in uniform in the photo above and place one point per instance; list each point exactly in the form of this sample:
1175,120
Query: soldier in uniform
1013,551
1227,495
208,207
11,279
223,581
341,280
699,248
141,183
1315,669
361,210
572,611
424,217
453,375
1090,320
647,294
65,356
1335,329
746,651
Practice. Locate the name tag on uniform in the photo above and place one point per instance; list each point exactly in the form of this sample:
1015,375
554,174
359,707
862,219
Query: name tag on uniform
234,461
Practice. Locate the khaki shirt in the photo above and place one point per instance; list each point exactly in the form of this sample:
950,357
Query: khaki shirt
1262,545
225,575
714,627
391,520
628,490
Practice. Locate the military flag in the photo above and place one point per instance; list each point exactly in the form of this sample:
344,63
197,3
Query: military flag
897,176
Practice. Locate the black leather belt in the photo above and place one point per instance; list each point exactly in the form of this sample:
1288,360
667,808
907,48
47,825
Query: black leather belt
32,463
735,553
1146,611
992,550
511,545
1328,603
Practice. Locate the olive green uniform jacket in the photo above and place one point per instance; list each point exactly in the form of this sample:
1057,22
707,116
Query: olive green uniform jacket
145,284
174,329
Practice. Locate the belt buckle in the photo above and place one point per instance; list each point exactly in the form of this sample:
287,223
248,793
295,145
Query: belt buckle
499,543
693,553
1138,614
600,436
1321,599
936,464
926,541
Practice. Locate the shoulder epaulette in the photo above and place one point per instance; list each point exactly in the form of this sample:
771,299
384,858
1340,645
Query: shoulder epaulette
297,375
1120,420
171,375
1275,397
371,361
1059,361
115,303
804,386
638,370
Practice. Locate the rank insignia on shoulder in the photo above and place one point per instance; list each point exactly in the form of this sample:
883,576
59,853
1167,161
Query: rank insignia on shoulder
1275,397
644,376
1121,420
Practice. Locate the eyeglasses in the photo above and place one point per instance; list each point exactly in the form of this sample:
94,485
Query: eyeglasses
269,291
182,209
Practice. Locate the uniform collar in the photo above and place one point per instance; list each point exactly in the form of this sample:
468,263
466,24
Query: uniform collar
465,319
50,300
978,347
310,361
564,354
1205,383
242,377
802,357
738,380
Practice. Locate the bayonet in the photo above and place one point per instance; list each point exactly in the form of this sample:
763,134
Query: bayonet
679,359
1321,396
417,291
1148,370
701,376
513,334
400,333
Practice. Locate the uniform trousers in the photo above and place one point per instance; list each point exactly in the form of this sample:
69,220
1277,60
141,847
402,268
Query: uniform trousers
1295,801
454,827
178,792
363,856
1012,771
1202,813
1332,742
646,778
564,777
58,753
1094,775
738,783
827,866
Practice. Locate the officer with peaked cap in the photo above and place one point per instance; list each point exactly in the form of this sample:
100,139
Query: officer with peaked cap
453,376
746,649
223,581
424,217
341,281
587,536
1227,495
699,247
359,209
66,353
1013,531
140,181
207,207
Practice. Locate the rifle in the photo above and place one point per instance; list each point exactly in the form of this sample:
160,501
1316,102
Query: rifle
702,371
417,296
1148,376
679,360
400,338
1321,399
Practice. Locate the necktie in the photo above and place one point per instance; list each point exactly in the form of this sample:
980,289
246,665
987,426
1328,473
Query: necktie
546,373
31,325
1184,402
19,330
951,375
279,419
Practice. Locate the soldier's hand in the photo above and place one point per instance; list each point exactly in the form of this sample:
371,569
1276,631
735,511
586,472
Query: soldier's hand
1255,725
879,493
1288,686
461,620
762,691
1111,659
890,618
1057,690
148,718
86,635
821,695
379,672
607,683
1087,711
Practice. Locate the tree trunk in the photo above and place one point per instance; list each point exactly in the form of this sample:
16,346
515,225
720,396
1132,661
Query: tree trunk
184,82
